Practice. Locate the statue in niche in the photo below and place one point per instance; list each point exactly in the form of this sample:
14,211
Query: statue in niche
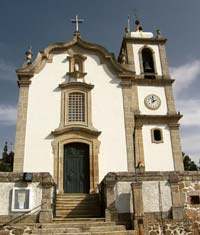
76,67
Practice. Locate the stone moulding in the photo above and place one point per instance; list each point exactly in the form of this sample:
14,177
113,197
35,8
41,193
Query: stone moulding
76,129
72,85
46,56
171,119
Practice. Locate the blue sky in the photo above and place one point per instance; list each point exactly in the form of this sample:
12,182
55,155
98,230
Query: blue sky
41,23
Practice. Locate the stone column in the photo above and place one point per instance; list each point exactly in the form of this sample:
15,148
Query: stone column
21,125
163,58
176,147
138,210
46,213
177,199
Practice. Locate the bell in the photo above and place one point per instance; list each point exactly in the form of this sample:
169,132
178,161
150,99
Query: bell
147,67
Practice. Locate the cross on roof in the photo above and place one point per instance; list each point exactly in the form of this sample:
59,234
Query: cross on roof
77,21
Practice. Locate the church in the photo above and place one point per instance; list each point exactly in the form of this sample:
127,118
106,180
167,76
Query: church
95,129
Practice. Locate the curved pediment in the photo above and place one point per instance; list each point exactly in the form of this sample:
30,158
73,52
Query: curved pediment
43,57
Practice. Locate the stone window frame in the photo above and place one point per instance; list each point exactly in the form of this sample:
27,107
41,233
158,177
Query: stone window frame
75,87
141,61
153,140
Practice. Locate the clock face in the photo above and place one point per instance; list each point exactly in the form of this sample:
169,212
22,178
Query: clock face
152,101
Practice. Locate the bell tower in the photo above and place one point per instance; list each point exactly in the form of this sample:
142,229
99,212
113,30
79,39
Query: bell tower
154,126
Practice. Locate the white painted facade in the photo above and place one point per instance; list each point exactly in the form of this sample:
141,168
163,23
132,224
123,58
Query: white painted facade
44,109
143,91
6,196
136,49
158,156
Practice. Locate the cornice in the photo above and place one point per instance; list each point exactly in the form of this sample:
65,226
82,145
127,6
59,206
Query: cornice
153,82
72,85
45,56
171,119
151,41
76,129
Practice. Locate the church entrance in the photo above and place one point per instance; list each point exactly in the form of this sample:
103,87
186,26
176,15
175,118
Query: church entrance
76,168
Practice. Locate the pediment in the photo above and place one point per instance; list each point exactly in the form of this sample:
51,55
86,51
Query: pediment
43,57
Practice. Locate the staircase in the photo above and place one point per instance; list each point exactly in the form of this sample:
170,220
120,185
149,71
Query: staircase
82,227
78,206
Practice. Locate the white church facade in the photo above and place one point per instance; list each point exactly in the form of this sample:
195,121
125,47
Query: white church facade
94,129
123,113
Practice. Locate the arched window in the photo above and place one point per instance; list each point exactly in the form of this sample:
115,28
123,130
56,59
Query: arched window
76,107
147,61
157,136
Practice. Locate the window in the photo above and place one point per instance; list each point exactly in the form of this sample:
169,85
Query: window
195,199
76,107
157,136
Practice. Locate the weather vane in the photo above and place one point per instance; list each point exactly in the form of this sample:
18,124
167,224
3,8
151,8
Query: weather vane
77,21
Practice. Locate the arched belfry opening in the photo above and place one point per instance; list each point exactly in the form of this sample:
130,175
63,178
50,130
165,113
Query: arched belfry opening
148,61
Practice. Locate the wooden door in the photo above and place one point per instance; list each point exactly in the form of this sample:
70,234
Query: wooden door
76,168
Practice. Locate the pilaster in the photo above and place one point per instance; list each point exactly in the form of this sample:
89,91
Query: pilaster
139,148
128,102
138,209
177,202
163,59
176,147
21,125
170,99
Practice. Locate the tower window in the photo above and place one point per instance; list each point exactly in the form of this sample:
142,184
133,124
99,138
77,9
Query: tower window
148,63
76,106
157,136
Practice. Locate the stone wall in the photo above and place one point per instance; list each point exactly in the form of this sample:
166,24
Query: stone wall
40,197
173,227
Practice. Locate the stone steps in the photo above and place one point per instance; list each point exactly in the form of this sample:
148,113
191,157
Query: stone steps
77,206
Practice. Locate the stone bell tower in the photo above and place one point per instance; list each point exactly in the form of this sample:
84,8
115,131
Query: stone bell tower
151,118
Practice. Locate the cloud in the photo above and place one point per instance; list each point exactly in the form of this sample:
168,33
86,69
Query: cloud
185,75
188,102
190,110
8,115
7,71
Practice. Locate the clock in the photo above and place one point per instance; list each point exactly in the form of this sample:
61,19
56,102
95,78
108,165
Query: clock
152,101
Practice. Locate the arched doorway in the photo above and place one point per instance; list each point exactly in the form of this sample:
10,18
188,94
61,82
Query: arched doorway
76,177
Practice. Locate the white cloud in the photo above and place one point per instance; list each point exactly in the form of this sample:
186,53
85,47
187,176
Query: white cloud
8,114
7,71
185,75
190,108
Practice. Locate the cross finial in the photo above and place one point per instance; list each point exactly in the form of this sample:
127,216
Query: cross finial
77,21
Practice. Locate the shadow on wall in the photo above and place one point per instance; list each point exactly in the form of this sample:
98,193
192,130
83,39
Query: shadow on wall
123,203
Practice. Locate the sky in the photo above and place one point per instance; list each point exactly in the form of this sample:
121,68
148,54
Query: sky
40,23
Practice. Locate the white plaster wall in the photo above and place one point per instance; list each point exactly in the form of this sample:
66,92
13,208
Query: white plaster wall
43,116
44,106
123,197
156,197
157,156
107,116
6,196
143,91
136,48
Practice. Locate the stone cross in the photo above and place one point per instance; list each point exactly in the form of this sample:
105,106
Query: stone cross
76,21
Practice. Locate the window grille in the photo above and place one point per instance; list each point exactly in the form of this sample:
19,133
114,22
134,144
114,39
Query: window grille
76,107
